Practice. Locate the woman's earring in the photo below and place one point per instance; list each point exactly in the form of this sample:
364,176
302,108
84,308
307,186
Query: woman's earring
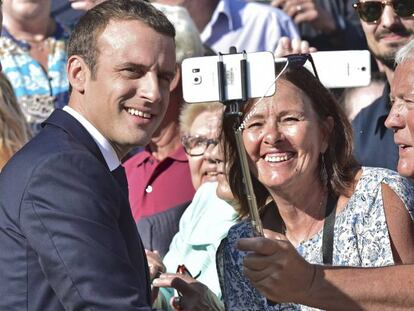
324,173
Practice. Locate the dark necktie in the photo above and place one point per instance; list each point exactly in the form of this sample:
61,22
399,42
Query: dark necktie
120,176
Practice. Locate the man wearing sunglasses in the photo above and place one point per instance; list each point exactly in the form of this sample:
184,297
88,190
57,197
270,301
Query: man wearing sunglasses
388,25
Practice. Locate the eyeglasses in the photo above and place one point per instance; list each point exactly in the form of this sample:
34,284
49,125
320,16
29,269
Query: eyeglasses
182,269
371,11
197,145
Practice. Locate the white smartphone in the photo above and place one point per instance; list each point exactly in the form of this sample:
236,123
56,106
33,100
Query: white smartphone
342,69
201,81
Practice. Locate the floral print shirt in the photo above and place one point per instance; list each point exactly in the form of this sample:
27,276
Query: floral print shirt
361,239
38,92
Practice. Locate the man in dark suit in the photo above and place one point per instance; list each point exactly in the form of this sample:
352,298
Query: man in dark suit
68,240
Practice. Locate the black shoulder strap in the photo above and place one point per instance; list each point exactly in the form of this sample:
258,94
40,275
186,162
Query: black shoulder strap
328,230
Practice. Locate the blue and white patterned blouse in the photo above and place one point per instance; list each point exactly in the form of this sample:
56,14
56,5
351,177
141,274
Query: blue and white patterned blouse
361,239
38,92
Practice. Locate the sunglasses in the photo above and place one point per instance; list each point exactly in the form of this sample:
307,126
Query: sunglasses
182,269
371,11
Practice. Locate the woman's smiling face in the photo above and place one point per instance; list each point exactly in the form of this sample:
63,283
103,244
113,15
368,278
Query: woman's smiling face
284,140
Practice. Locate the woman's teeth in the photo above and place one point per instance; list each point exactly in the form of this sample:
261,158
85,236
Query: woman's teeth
276,159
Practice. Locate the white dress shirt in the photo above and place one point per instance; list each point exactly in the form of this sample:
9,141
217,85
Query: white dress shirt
108,152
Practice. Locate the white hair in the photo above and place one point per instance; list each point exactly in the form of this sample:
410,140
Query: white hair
187,39
405,53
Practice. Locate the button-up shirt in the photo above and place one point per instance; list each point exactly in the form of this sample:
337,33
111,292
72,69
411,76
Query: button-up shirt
155,186
248,26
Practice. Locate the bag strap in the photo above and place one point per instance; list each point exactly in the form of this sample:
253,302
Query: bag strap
328,230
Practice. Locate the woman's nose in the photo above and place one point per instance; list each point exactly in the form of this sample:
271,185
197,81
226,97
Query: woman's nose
272,134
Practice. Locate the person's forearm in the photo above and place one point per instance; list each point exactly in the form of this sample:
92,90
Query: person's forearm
344,288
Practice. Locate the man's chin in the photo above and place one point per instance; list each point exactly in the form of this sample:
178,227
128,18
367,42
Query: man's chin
387,60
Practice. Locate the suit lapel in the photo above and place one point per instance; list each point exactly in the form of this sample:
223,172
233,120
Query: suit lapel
70,125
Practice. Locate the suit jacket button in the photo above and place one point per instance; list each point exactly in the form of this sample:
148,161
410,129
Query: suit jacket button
149,189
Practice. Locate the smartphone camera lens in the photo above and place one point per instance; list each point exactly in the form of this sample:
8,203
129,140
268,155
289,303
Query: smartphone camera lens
197,80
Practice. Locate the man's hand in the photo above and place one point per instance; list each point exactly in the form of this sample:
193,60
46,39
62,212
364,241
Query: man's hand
155,267
307,11
194,295
275,268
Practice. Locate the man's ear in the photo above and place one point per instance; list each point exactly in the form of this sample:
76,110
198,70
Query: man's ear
174,83
77,73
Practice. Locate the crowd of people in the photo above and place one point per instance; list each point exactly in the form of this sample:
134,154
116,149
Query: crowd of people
116,194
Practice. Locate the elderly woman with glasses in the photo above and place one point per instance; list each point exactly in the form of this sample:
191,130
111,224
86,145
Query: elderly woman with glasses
312,196
200,126
190,261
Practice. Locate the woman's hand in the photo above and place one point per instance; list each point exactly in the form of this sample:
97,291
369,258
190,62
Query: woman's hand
194,295
84,5
307,11
287,46
276,269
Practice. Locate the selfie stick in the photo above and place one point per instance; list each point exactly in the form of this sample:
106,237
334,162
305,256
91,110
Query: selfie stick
233,109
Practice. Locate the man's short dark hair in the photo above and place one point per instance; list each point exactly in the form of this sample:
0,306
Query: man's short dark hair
83,40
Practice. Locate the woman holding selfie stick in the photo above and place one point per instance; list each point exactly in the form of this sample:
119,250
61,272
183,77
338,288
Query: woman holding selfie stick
310,189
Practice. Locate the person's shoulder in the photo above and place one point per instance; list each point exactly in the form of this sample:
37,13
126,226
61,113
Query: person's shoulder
242,229
367,114
51,150
401,186
376,109
376,176
206,191
380,173
204,197
54,172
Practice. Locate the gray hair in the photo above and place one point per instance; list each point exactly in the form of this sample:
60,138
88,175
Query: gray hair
405,53
189,113
187,39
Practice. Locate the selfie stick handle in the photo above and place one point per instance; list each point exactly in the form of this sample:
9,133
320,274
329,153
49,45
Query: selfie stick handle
251,198
233,109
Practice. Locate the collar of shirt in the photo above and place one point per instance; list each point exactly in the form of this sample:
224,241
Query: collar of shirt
222,9
145,155
104,146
